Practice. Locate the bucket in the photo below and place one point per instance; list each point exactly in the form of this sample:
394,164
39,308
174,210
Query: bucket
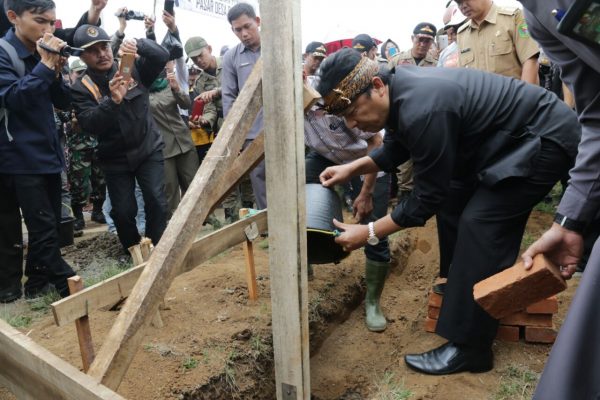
322,206
65,232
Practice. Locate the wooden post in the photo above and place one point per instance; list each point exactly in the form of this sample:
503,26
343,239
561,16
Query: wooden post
164,265
139,255
82,325
250,269
284,156
32,373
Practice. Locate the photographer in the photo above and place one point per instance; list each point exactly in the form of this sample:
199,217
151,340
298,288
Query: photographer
116,110
31,155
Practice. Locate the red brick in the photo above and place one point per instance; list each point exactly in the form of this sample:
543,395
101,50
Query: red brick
546,306
435,300
539,335
508,333
430,324
515,288
523,319
433,312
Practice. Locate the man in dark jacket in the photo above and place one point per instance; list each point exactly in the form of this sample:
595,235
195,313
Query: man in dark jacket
117,111
31,156
486,149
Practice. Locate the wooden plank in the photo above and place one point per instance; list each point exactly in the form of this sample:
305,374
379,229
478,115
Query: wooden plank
32,373
139,255
82,326
124,338
310,96
117,288
284,156
249,257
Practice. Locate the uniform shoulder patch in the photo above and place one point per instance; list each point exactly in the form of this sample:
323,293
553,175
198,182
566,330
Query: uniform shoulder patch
523,31
464,26
507,10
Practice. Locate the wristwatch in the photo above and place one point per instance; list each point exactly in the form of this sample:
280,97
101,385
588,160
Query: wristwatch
373,239
570,224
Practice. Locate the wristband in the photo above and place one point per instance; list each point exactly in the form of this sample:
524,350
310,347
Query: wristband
570,224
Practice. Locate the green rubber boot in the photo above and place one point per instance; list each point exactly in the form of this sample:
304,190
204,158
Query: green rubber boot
376,272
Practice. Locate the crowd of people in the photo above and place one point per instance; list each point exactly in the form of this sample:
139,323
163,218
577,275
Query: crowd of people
472,125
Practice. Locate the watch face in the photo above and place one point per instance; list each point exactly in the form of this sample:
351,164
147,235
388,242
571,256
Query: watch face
373,240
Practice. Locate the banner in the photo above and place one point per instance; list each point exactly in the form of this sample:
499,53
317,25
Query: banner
213,8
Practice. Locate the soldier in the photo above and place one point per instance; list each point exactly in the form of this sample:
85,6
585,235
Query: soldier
495,39
85,176
422,39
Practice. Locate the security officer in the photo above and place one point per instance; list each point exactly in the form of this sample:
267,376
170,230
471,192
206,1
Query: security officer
422,39
495,39
208,88
85,176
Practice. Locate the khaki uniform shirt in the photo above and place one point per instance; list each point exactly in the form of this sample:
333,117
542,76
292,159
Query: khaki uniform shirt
204,83
500,44
406,58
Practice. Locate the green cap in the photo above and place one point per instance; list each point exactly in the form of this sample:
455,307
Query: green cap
78,65
194,46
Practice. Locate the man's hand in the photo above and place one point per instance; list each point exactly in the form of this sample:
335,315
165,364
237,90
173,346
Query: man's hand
149,24
169,21
173,81
353,236
50,59
199,122
128,46
334,175
363,205
562,246
96,7
209,95
118,88
121,12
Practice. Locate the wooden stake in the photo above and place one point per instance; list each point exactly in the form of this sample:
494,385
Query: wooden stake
125,337
140,253
284,157
82,325
250,269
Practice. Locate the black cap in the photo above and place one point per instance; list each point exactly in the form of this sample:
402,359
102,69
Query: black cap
316,49
88,35
425,29
363,42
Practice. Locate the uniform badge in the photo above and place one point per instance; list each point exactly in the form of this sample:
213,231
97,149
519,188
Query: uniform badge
92,31
523,31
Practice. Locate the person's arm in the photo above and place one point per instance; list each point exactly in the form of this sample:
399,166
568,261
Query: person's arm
229,83
529,71
149,24
91,17
16,92
96,117
152,60
182,98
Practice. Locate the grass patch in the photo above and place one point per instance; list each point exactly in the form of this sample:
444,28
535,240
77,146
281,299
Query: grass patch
550,203
516,383
189,363
18,321
42,304
389,388
108,272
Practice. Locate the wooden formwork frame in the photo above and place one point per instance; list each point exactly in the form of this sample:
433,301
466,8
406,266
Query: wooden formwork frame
146,285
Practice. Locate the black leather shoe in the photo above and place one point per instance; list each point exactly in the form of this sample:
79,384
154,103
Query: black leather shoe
451,358
439,288
10,295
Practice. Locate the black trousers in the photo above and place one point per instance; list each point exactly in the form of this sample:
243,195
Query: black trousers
39,197
11,238
486,225
150,176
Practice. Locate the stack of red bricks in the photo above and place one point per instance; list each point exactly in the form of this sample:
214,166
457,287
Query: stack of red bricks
534,323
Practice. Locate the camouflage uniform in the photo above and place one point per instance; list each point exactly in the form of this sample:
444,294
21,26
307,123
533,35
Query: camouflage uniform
85,175
214,115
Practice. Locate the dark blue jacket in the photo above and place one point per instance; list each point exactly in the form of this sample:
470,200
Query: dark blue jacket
31,145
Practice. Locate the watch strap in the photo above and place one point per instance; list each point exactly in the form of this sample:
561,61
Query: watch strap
570,224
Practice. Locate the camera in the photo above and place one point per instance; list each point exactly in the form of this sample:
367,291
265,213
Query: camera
129,15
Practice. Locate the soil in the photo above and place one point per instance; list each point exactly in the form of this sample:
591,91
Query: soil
216,344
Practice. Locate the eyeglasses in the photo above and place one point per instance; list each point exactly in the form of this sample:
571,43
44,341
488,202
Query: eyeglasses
424,40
